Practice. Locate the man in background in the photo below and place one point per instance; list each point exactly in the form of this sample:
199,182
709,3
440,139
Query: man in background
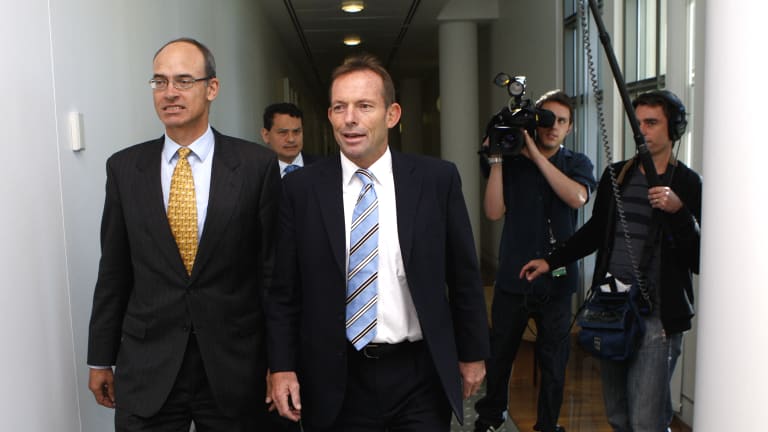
661,226
538,193
283,132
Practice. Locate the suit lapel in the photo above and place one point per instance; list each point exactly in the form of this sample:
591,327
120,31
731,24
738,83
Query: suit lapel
408,185
226,181
329,195
149,189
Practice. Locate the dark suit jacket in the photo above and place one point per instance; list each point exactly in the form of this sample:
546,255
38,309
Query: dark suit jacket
306,305
309,159
145,304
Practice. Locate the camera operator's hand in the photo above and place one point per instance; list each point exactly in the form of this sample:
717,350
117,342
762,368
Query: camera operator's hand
491,150
534,269
664,199
531,150
493,200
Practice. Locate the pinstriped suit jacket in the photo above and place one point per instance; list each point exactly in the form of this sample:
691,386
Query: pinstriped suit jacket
145,304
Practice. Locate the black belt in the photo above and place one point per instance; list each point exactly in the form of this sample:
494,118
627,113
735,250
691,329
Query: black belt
376,351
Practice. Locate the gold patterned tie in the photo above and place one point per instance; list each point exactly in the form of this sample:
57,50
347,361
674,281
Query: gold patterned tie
182,210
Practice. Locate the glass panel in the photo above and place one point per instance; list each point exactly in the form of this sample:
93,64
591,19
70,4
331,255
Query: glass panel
662,46
570,7
647,36
645,39
570,48
630,40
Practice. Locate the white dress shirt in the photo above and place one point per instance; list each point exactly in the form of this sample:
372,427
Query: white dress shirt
396,318
201,161
298,161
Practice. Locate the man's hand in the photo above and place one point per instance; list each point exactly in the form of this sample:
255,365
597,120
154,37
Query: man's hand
664,199
268,399
531,151
534,269
285,394
472,374
101,382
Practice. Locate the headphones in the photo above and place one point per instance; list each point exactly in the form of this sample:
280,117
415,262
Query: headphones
676,123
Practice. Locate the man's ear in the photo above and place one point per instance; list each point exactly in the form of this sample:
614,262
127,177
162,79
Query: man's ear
212,89
264,134
393,114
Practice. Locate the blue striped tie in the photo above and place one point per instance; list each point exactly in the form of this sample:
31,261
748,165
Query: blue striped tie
363,265
290,168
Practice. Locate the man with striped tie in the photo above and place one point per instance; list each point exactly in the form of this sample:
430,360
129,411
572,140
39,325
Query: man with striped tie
377,319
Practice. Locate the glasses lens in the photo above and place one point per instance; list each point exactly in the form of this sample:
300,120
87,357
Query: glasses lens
158,84
184,83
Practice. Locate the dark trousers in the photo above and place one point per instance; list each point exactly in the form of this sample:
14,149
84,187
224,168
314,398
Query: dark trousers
274,422
510,314
397,392
190,400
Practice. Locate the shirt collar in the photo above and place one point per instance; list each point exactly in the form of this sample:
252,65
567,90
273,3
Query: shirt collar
381,168
298,160
201,147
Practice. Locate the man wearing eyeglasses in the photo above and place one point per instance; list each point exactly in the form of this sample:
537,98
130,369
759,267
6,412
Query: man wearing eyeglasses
186,241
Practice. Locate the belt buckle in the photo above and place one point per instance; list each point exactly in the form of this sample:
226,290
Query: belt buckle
367,354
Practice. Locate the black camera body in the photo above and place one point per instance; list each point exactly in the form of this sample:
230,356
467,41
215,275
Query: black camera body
505,129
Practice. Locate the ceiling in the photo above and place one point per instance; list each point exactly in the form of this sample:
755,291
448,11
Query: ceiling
401,33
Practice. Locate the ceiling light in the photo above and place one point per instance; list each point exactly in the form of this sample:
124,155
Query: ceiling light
352,6
351,40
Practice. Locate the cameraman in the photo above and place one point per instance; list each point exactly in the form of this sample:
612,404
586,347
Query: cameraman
538,193
663,224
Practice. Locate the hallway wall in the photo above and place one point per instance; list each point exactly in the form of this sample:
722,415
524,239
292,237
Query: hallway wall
38,361
92,57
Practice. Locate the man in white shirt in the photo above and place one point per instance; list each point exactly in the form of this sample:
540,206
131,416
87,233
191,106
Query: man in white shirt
397,348
186,253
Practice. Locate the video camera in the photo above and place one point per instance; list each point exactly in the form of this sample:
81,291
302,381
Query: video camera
504,130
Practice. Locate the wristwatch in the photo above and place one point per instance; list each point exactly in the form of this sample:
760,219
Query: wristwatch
495,159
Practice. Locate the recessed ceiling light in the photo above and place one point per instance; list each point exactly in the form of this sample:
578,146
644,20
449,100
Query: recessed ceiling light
351,40
352,6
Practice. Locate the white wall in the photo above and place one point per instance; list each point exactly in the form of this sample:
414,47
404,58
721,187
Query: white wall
37,364
94,57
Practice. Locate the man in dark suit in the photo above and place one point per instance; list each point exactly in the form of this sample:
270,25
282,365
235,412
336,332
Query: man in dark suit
401,355
179,315
283,132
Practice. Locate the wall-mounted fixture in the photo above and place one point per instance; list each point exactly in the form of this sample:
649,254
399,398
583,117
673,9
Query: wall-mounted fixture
352,6
76,141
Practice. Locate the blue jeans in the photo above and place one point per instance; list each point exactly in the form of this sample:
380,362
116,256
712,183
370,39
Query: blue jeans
675,348
636,391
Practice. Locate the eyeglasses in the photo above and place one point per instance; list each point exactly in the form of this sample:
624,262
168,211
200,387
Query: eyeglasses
180,84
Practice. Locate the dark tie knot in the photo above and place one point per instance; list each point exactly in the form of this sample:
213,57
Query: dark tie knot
290,168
